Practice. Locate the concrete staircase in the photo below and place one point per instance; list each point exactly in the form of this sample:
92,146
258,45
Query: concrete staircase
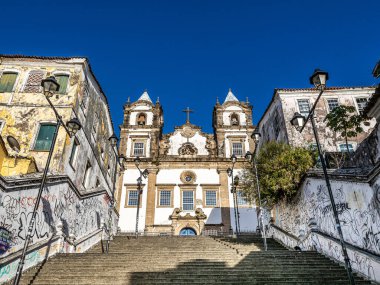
189,260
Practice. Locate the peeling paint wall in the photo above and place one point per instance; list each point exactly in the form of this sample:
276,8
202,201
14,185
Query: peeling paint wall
79,207
23,112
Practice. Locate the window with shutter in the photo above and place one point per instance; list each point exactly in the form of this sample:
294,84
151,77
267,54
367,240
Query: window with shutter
7,81
63,81
33,84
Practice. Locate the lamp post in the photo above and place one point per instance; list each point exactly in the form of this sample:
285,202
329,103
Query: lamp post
50,86
139,183
319,79
252,159
230,173
119,159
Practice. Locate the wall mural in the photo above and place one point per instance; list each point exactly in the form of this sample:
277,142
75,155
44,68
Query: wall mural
58,204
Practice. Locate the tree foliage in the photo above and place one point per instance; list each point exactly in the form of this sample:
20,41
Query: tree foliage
280,169
343,119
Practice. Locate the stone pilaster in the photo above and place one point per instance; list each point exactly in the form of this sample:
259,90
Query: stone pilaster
224,199
151,198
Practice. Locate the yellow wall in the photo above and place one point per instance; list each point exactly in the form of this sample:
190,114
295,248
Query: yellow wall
14,165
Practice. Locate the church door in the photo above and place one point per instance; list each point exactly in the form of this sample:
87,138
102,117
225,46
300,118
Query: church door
187,232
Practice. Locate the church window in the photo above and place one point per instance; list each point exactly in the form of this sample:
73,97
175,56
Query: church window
165,198
188,200
45,137
33,83
211,198
133,197
241,199
138,149
63,80
234,120
141,119
304,107
237,148
7,81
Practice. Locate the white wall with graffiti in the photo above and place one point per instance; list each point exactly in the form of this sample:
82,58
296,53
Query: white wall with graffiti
62,212
309,220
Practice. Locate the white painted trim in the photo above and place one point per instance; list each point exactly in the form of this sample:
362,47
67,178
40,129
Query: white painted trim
2,121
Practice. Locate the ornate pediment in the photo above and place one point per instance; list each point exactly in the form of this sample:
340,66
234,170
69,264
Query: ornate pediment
187,149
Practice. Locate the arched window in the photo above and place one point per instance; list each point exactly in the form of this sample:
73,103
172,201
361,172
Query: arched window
234,119
141,119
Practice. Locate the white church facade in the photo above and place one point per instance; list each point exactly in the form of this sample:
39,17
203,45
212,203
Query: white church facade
187,188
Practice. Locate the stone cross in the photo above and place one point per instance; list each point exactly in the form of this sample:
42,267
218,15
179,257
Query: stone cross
188,111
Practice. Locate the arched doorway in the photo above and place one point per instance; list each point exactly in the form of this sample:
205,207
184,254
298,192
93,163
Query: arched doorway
187,232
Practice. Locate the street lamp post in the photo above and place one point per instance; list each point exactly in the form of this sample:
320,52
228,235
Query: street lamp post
319,79
139,184
119,159
230,172
50,86
252,158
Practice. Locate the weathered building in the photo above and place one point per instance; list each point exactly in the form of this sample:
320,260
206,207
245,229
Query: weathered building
187,189
26,115
275,125
76,201
307,221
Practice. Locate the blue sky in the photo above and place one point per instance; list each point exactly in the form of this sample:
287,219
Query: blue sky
187,53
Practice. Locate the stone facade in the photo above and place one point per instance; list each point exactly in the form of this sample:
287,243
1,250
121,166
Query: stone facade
275,125
187,185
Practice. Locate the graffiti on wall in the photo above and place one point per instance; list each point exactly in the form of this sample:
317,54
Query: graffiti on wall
5,240
358,206
79,217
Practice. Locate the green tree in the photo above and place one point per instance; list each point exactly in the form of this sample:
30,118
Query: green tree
280,168
345,120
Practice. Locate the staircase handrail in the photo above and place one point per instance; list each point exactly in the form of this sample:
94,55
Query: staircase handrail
33,247
325,235
349,245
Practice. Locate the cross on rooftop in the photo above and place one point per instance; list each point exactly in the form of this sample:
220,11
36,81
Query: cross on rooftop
188,111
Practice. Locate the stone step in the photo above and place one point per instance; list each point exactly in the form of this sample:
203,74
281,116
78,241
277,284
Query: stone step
194,260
